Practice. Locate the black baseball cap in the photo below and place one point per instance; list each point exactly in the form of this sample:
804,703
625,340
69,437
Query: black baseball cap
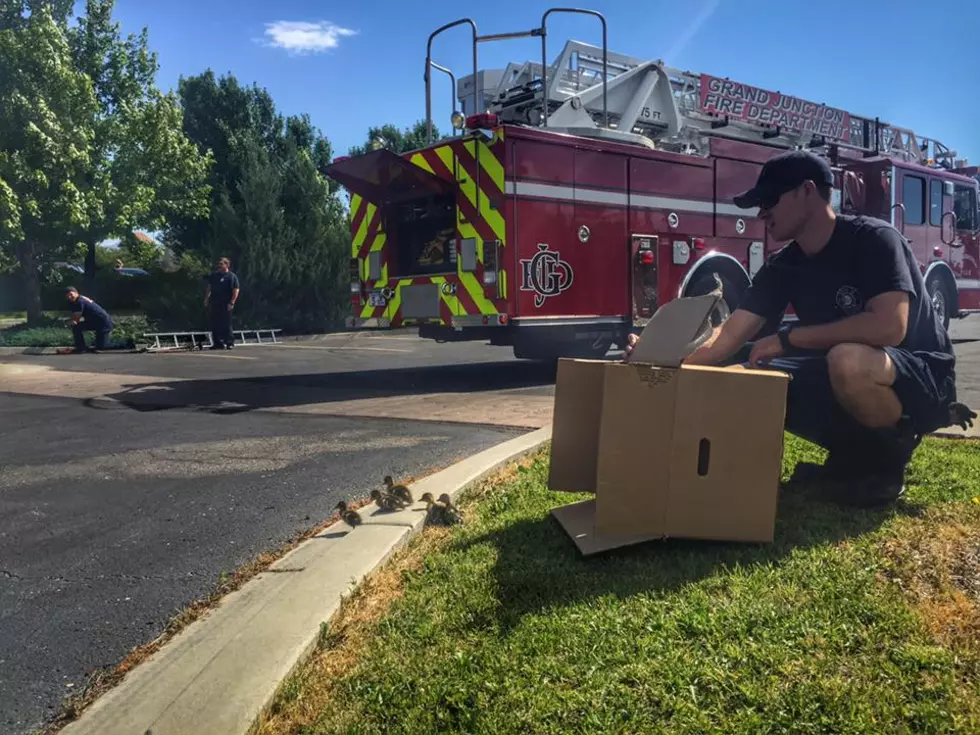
784,173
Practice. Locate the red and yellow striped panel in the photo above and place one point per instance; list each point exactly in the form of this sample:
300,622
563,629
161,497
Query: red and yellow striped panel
475,165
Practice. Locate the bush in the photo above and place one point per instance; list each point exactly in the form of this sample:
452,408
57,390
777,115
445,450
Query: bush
128,330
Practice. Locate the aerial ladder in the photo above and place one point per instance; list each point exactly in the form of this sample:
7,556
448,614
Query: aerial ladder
647,103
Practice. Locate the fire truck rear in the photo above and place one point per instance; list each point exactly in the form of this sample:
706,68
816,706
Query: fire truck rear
573,199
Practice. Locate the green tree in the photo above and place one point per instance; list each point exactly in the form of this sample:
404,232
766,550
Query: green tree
273,212
398,141
145,170
47,113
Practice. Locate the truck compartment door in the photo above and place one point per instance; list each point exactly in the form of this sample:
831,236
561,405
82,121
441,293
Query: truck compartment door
643,252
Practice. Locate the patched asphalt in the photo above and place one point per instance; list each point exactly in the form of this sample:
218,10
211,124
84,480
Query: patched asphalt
112,520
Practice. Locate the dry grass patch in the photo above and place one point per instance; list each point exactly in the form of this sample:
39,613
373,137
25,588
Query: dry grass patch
935,560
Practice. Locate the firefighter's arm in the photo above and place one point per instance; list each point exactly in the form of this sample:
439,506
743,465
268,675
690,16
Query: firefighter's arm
882,324
727,339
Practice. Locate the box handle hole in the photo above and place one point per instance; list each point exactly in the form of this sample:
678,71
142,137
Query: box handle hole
704,457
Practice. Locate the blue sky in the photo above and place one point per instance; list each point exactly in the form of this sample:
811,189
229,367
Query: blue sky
912,64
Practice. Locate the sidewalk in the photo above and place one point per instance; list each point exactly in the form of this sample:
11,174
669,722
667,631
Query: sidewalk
220,673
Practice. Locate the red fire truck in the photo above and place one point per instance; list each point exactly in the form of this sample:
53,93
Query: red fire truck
573,199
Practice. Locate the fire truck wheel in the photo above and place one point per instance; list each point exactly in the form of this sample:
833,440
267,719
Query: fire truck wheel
942,298
705,283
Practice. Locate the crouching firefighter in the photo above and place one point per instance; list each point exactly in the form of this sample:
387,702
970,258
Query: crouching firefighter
872,367
88,316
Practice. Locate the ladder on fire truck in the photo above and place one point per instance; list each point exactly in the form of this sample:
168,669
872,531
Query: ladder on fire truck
648,103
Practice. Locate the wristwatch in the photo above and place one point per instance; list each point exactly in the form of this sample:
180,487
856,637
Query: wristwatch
784,337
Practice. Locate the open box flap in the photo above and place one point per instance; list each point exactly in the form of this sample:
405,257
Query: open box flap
677,329
383,176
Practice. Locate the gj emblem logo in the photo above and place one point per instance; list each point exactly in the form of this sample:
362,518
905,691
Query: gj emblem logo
546,274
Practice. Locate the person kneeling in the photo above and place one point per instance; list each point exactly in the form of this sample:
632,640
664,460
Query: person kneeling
872,365
88,316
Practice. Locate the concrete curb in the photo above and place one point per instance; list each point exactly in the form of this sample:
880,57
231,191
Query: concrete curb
221,673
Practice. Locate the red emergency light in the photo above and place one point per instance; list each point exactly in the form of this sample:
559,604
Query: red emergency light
484,121
646,257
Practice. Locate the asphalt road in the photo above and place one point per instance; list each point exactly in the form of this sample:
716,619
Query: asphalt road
112,519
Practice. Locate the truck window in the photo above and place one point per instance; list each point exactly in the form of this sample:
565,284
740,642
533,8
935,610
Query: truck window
914,197
935,202
965,207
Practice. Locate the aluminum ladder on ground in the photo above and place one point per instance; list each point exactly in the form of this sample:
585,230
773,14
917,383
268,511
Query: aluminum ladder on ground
199,339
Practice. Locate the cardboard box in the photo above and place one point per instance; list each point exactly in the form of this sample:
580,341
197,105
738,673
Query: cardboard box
669,450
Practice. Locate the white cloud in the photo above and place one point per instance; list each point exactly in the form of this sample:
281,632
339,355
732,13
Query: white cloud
302,37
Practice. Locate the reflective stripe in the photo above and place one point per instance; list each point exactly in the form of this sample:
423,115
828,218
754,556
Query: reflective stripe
968,283
623,199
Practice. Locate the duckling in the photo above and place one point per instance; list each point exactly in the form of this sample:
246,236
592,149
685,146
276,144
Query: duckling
453,516
386,501
437,512
399,491
350,517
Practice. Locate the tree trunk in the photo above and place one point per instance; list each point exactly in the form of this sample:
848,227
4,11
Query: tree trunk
31,283
89,279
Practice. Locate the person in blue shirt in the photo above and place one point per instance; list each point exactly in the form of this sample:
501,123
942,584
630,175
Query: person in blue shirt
222,293
88,316
873,367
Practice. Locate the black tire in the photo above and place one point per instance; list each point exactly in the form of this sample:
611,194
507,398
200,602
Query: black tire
942,300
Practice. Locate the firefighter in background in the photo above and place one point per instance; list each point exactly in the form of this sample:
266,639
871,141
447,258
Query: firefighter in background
88,316
222,293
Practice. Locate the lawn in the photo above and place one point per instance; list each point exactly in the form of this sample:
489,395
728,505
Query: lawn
851,622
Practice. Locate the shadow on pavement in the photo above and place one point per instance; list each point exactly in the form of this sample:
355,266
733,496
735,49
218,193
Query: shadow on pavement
539,568
235,395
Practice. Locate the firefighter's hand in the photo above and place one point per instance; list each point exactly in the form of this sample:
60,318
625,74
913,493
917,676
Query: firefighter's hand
631,341
765,349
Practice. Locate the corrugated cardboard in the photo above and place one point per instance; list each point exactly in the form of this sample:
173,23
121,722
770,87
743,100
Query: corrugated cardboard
669,450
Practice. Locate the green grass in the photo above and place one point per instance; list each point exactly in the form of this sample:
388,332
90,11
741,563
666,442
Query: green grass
500,626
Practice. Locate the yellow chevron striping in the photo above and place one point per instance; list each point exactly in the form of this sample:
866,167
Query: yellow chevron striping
475,290
362,230
488,162
419,160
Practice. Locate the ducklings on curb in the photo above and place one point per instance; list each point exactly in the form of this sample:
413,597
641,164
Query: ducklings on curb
399,491
438,513
452,512
350,517
386,501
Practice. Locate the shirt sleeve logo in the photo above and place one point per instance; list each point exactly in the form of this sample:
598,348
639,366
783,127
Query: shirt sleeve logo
849,300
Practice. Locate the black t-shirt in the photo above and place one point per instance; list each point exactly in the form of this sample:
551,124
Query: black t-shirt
864,257
222,284
92,314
